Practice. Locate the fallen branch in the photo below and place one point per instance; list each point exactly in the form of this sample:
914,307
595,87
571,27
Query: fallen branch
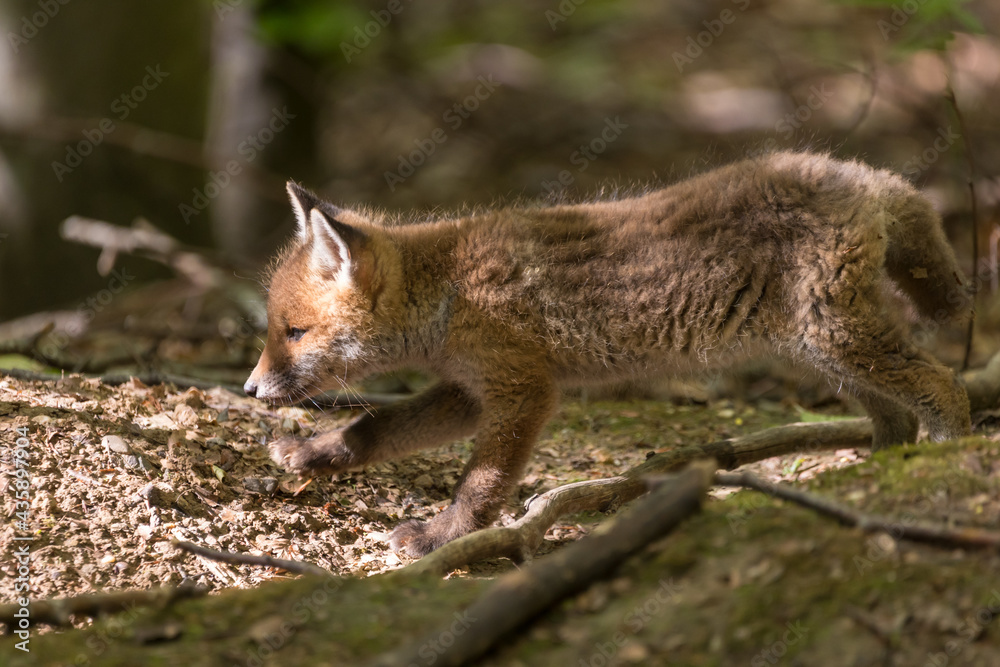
144,240
61,612
520,540
521,595
25,344
233,558
975,538
29,347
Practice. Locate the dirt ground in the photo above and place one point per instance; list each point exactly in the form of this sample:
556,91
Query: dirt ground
117,472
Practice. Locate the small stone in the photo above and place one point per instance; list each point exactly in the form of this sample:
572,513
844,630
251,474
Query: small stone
290,425
130,461
423,481
146,464
260,484
157,495
185,415
115,444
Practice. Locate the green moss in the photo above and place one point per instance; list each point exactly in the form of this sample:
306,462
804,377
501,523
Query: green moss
343,620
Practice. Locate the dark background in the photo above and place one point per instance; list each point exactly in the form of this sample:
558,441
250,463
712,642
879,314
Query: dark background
417,106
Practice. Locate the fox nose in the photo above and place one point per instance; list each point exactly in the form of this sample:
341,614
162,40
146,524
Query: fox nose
250,388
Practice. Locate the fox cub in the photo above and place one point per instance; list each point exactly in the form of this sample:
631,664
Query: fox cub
788,253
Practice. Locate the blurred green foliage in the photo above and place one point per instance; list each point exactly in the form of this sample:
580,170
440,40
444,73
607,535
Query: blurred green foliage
922,24
316,28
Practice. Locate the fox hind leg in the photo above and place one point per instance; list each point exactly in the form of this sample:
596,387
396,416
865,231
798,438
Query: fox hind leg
893,423
893,379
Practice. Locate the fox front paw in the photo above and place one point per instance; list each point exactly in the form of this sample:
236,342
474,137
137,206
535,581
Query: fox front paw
323,455
415,539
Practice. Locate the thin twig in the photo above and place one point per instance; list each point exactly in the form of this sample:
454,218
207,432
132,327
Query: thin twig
970,161
294,566
865,109
967,537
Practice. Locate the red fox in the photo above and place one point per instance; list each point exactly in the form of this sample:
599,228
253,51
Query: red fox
786,253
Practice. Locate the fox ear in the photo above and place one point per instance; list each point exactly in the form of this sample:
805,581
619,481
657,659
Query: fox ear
330,251
302,202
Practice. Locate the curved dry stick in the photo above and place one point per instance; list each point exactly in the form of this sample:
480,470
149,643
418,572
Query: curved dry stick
143,240
520,540
521,595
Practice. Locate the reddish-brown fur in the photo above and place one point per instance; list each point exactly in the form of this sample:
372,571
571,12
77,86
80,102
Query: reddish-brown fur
786,253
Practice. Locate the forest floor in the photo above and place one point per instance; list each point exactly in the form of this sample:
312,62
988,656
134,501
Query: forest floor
116,472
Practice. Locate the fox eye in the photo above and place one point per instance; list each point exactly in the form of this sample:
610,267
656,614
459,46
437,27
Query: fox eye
295,334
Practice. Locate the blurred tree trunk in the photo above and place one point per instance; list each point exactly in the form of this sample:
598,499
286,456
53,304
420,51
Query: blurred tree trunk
240,107
75,66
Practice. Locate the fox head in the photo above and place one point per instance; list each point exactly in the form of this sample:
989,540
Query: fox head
321,304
